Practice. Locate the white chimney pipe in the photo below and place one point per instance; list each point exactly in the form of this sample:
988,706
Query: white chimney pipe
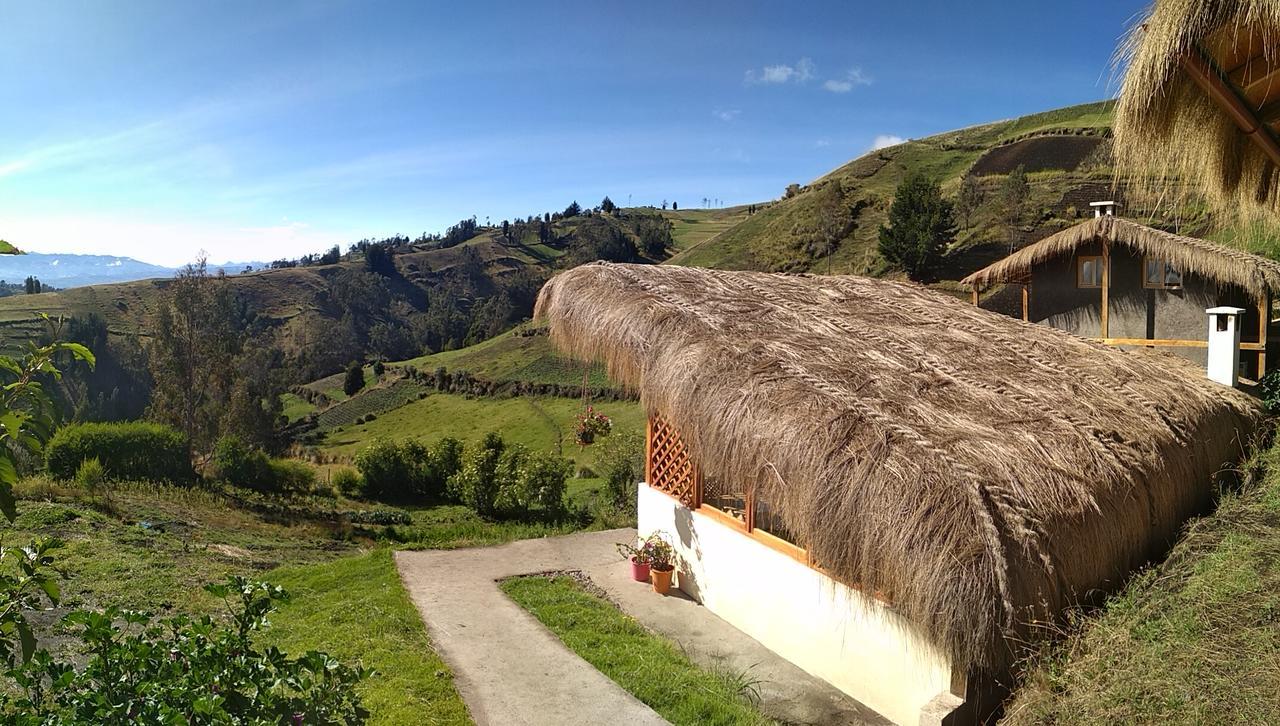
1101,208
1224,344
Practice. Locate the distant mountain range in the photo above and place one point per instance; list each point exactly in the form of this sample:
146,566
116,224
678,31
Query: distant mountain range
71,270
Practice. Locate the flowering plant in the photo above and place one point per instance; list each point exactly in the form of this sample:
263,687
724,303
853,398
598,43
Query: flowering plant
653,550
592,425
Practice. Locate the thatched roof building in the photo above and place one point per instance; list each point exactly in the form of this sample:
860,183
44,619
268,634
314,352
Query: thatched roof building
979,472
1224,265
1201,99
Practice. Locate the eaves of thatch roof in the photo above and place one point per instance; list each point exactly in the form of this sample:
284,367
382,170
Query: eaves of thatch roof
1224,265
982,473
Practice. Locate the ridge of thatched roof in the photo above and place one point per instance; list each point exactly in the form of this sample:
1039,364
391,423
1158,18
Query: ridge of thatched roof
1224,265
982,472
1169,125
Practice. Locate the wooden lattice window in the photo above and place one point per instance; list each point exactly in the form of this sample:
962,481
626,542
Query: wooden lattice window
669,468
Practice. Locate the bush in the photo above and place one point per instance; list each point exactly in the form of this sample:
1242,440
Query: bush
354,381
1270,387
621,462
408,470
542,482
185,671
348,482
291,475
91,474
238,463
476,482
132,450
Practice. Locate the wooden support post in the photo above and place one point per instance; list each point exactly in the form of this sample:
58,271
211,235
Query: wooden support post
648,452
1264,322
1026,302
1106,286
975,295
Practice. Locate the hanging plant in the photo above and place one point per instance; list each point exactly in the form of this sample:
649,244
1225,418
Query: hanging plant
592,425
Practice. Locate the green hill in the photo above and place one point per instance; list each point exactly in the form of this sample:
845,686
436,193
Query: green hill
7,248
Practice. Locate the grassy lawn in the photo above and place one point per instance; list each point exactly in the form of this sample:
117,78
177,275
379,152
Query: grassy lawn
355,609
513,356
649,667
1195,639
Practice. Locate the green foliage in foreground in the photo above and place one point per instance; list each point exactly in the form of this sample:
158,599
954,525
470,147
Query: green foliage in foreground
356,609
649,667
131,450
184,671
1195,639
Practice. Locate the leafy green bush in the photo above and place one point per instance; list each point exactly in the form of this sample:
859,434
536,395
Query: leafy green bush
91,475
542,483
291,475
354,380
1270,387
408,470
181,670
444,462
238,463
132,450
621,462
476,483
348,482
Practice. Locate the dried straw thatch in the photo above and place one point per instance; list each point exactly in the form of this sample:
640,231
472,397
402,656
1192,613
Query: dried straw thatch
1168,126
1223,265
981,472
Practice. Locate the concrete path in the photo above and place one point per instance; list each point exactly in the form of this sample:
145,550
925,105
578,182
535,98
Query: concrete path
512,670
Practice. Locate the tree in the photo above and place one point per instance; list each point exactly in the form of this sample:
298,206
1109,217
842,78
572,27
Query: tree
969,199
378,260
1015,193
573,210
354,380
33,286
674,206
506,229
607,206
835,220
792,190
920,225
197,336
332,256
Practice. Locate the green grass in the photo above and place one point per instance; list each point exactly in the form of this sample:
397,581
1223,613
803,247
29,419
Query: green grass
296,407
541,424
513,356
7,248
356,609
1195,639
649,667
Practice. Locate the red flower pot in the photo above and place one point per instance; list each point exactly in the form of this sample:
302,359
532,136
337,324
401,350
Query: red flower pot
639,571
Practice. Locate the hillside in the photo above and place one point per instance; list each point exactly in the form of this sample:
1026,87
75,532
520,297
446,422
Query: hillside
7,248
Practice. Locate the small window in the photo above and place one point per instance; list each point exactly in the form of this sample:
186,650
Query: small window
1089,271
1160,275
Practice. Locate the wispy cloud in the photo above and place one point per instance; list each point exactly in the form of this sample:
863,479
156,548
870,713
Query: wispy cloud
884,141
853,78
822,143
802,71
727,114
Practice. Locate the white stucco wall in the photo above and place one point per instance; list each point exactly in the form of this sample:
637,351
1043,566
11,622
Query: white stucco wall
856,643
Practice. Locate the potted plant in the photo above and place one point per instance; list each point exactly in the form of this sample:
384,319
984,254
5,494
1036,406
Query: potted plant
592,425
638,556
662,562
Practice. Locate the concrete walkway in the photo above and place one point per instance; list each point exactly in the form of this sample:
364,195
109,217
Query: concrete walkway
511,670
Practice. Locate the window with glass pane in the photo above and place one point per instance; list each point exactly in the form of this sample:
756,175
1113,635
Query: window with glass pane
1089,273
768,519
1161,274
728,499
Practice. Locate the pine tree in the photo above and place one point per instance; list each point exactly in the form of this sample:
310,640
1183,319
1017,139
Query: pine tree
607,206
920,225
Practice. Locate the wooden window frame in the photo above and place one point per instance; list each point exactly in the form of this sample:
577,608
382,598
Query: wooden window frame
1147,284
1080,260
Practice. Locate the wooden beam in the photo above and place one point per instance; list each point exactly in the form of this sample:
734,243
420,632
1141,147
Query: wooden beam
1105,327
1264,319
1167,343
1026,303
648,452
975,296
1207,75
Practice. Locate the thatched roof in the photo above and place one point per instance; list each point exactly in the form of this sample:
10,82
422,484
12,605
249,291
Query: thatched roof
1198,100
979,471
1223,265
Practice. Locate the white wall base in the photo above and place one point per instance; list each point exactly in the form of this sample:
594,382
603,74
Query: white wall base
855,643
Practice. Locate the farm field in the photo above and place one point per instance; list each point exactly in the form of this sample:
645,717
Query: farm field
524,354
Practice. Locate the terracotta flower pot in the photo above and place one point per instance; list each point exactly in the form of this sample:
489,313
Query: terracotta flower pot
639,571
661,580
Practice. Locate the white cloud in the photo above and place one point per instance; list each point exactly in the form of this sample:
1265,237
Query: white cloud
885,140
853,78
822,143
13,167
726,115
802,71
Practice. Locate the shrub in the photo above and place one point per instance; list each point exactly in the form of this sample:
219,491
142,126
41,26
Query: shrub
238,463
392,470
379,368
1270,387
354,381
291,475
443,461
181,670
507,480
622,464
542,481
348,482
132,450
476,482
91,474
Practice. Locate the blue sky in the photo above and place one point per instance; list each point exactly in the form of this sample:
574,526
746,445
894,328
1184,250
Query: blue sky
256,130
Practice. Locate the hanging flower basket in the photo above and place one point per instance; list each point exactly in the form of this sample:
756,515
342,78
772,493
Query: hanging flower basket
592,425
